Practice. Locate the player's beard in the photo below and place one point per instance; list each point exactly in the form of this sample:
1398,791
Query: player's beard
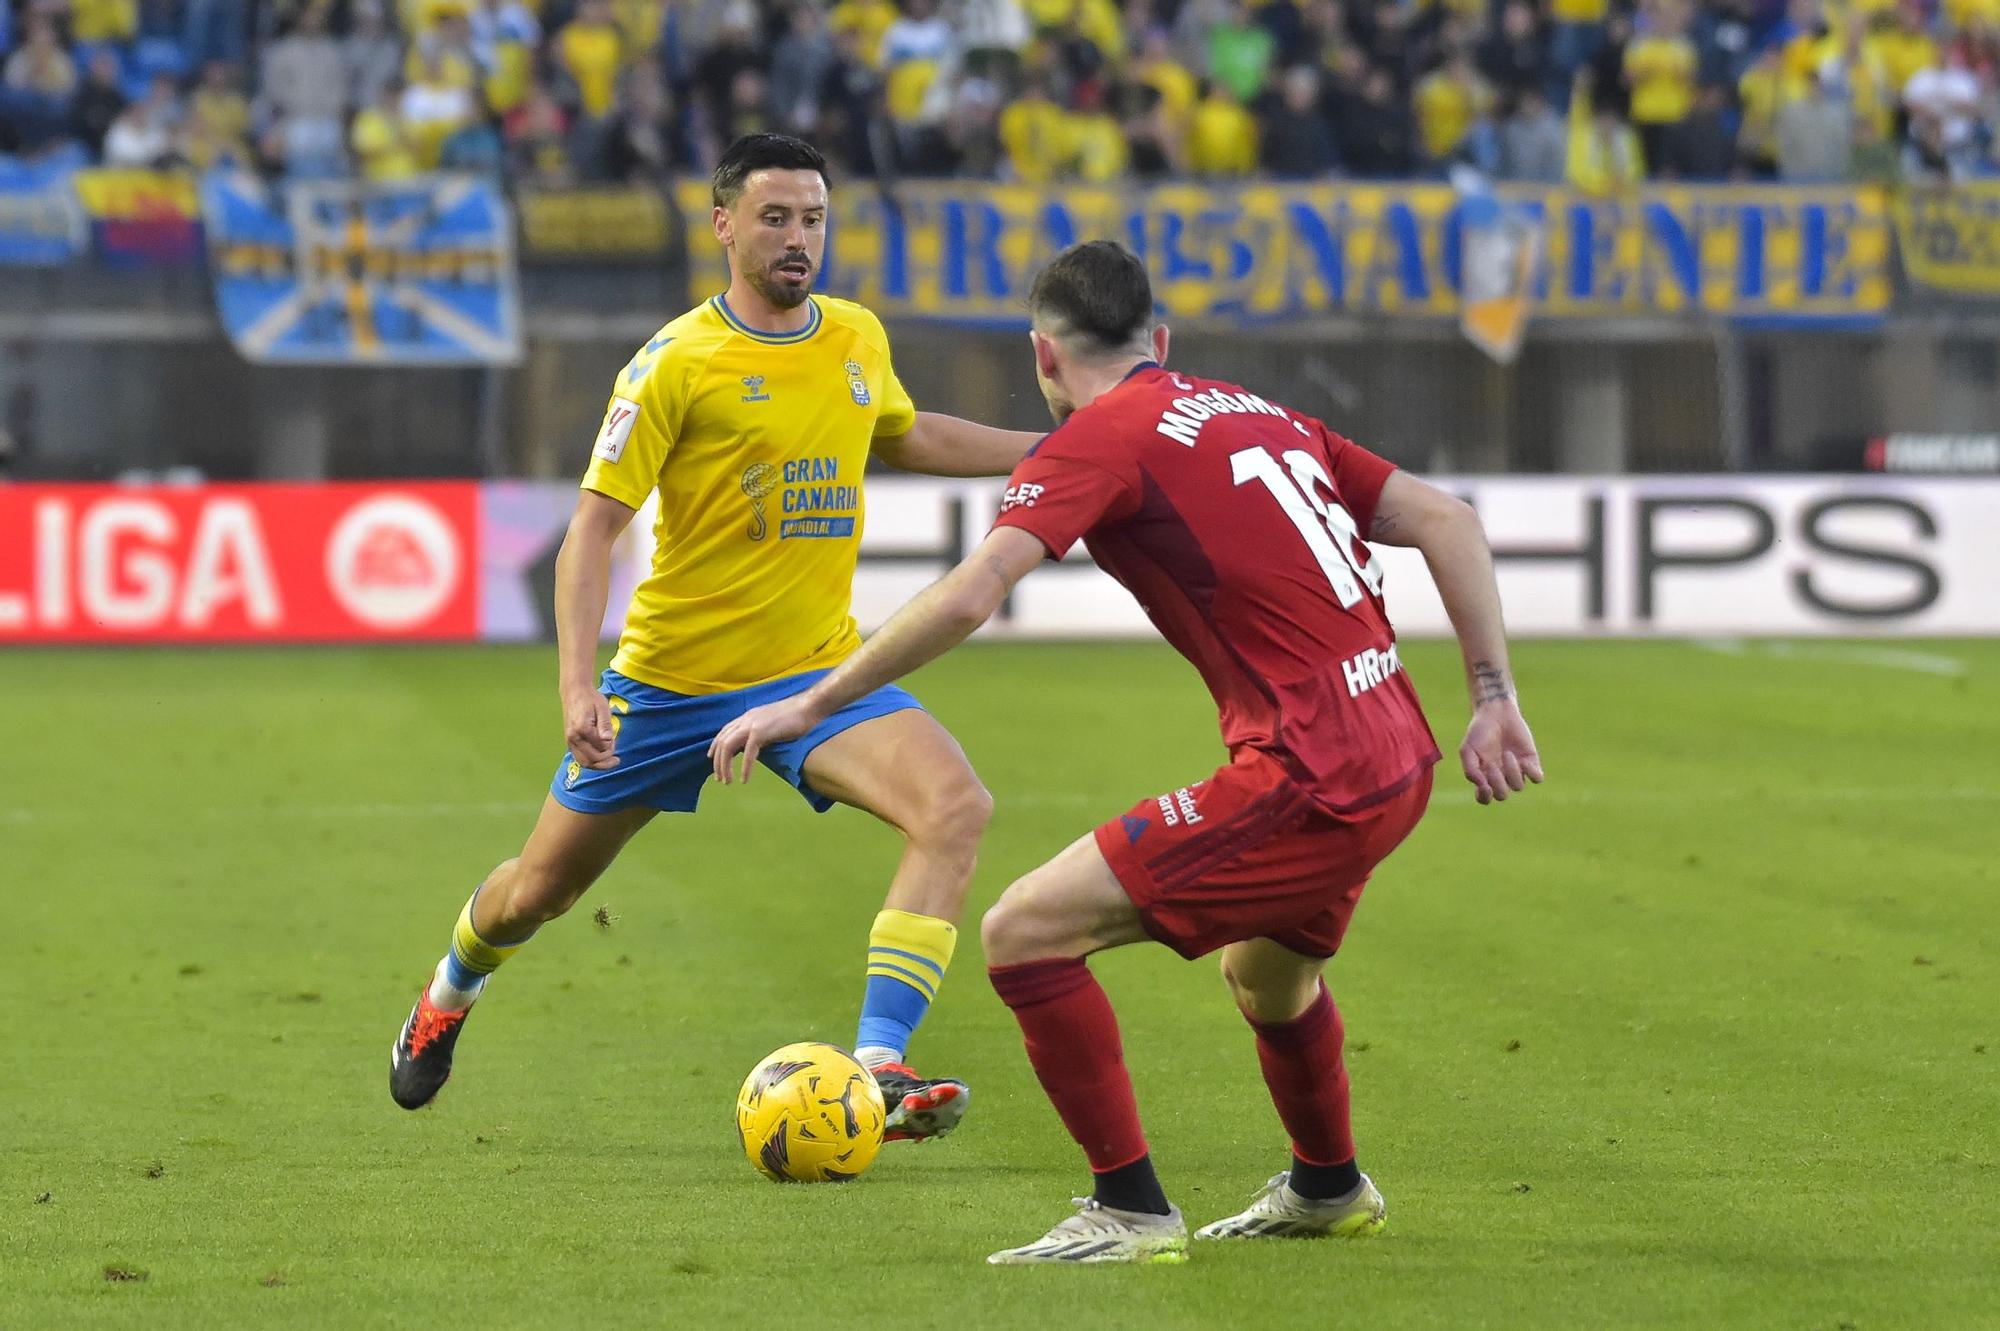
784,292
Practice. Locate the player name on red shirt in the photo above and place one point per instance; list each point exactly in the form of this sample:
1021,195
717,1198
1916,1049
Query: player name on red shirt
1237,525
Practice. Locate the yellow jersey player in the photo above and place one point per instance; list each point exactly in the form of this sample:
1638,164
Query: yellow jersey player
753,416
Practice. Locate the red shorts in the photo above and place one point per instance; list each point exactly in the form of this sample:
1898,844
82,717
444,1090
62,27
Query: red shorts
1248,854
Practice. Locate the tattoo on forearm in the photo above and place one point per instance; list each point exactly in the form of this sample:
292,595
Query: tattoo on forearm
1489,683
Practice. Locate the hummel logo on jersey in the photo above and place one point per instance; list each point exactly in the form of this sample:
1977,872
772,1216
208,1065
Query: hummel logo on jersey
1364,670
1023,495
755,383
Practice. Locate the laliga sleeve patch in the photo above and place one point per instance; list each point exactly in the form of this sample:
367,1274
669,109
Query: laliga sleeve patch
617,429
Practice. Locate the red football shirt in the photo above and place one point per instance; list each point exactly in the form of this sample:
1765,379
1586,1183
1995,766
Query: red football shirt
1237,524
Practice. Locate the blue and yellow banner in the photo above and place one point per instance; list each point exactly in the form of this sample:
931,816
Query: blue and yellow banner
419,272
1950,238
41,224
1272,252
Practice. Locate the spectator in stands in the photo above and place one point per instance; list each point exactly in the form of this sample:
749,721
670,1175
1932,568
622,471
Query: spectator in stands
1297,141
302,98
1241,52
436,104
1534,145
590,50
1758,95
645,138
1815,136
218,120
1174,84
1703,145
972,125
1724,33
372,54
1515,54
1222,138
1943,103
849,95
997,29
101,100
1660,66
145,135
474,147
1102,155
1155,143
1576,40
748,111
867,20
383,149
919,54
213,30
1449,101
1034,132
505,35
1903,47
799,66
537,135
40,82
735,48
443,52
1376,134
103,22
1604,153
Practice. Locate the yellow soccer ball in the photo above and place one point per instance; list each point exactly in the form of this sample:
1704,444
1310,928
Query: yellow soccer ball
808,1113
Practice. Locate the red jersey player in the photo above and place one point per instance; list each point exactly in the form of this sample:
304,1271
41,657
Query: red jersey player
1237,524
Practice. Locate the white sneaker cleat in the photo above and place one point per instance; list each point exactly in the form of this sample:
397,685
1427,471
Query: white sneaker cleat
1099,1233
1280,1213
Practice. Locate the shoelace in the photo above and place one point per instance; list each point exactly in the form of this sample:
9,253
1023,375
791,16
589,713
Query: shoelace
430,1024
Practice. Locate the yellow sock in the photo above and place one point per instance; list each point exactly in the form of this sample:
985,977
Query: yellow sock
907,957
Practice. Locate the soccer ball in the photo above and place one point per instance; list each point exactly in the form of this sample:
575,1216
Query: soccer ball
808,1113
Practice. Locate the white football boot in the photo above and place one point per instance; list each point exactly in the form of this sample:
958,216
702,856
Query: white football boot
1099,1233
1280,1213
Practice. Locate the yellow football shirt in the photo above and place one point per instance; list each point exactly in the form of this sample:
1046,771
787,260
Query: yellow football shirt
756,443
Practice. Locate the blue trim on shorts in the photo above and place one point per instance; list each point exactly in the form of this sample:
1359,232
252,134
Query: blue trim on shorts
663,739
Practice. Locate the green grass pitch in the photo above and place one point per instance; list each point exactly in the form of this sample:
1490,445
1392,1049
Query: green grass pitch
1705,1032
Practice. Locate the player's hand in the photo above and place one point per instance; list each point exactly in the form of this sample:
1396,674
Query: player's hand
750,733
1499,754
588,729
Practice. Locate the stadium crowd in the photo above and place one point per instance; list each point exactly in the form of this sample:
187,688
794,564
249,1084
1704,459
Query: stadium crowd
561,92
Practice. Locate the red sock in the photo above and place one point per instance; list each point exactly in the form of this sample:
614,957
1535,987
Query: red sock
1072,1039
1301,1060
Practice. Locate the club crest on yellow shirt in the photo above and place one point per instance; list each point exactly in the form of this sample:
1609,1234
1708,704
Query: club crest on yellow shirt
759,479
857,383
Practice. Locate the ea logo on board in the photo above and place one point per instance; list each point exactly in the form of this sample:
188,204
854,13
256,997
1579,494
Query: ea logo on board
393,561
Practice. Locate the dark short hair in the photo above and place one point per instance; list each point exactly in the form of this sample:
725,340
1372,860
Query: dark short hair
1097,291
763,152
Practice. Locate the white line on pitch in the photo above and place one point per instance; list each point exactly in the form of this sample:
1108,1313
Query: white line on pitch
1888,658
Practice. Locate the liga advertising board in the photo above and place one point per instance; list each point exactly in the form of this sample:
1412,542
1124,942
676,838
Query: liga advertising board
1664,556
238,563
1659,556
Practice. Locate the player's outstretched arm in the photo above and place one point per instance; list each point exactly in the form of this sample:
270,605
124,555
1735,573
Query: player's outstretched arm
583,586
948,446
937,619
1498,754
